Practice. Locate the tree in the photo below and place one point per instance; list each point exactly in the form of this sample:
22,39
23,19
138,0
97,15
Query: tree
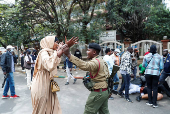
89,16
63,17
2,24
128,16
30,20
14,30
158,23
53,16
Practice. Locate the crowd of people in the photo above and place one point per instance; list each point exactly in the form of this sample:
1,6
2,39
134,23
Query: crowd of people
8,61
42,67
151,80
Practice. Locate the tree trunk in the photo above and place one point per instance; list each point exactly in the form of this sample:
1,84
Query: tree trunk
85,32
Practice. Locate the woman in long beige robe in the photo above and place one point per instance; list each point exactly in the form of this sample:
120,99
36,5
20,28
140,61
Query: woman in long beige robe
43,100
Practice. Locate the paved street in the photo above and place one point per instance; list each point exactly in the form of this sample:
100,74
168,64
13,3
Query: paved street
73,97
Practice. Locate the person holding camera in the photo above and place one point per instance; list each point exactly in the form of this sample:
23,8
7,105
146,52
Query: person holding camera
7,64
98,75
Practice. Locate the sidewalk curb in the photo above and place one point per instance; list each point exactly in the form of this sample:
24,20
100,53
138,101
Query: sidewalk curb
20,71
66,77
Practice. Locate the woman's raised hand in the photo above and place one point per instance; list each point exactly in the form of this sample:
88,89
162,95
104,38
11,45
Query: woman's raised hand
72,41
60,45
66,51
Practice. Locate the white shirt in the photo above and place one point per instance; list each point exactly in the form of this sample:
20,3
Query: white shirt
113,57
109,62
21,55
26,59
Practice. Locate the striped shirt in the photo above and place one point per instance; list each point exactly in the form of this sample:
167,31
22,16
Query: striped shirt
155,65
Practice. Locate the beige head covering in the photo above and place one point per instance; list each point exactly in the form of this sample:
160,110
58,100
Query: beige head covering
46,44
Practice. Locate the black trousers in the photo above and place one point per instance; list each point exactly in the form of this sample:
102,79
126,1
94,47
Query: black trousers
32,72
164,88
152,85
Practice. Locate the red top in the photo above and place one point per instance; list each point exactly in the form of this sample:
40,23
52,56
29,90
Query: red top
146,53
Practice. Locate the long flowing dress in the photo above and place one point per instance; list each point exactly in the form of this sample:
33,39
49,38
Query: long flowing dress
43,100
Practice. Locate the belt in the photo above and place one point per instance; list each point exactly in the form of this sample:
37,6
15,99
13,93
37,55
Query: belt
102,89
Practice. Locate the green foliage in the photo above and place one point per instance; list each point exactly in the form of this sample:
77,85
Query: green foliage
31,20
158,24
14,29
63,18
90,22
128,16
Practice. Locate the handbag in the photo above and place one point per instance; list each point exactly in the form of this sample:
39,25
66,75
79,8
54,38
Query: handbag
54,86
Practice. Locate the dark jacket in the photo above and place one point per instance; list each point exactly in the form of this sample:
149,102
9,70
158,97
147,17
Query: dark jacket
6,62
167,64
0,57
78,54
34,57
15,59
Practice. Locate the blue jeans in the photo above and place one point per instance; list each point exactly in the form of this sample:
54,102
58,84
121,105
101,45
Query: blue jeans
125,85
9,84
163,76
64,64
115,79
134,72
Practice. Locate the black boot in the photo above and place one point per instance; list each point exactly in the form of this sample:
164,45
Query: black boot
138,98
74,81
115,92
67,83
